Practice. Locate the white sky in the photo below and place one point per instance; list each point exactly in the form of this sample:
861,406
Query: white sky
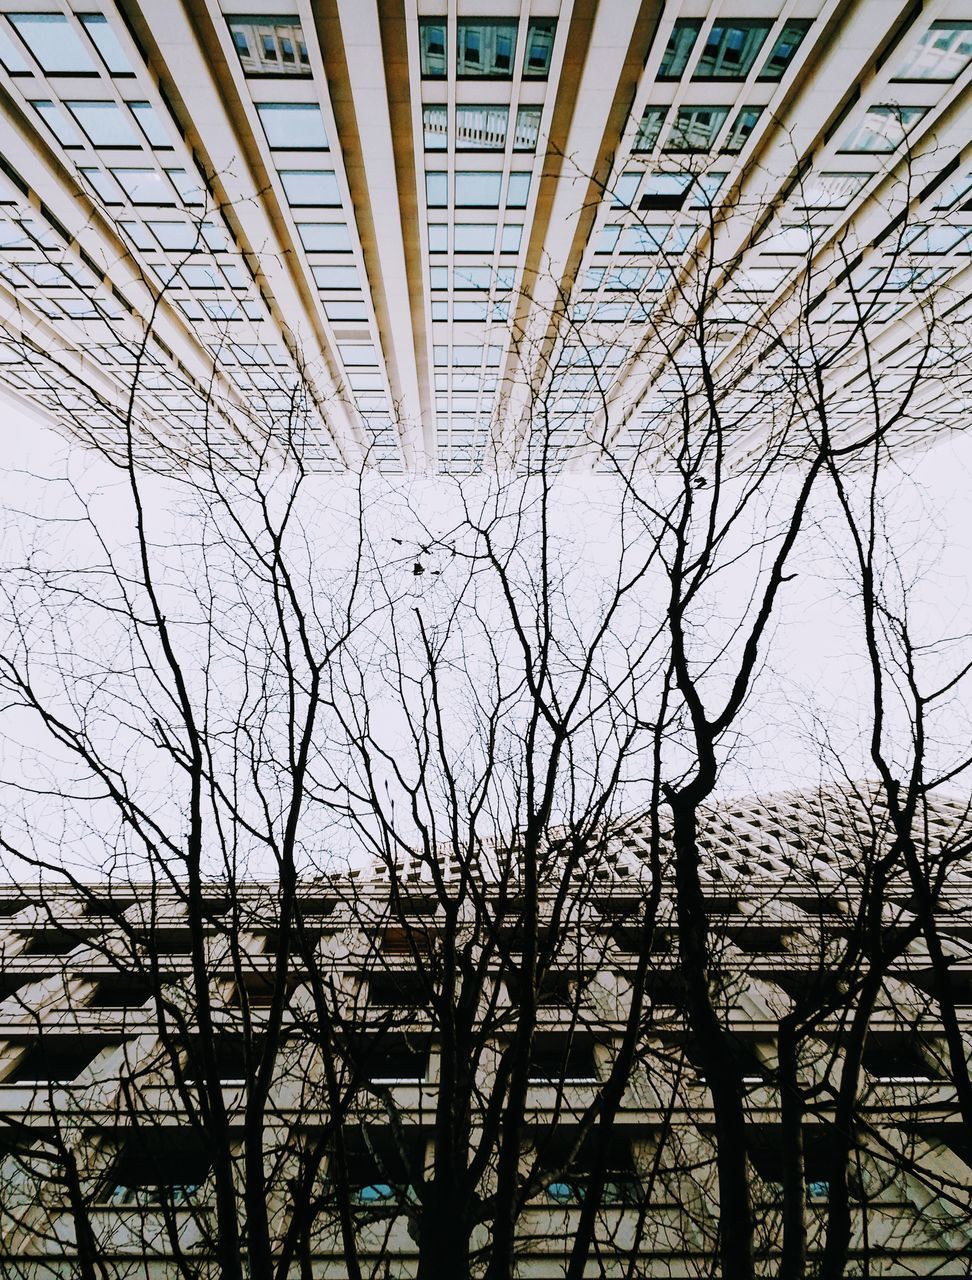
813,676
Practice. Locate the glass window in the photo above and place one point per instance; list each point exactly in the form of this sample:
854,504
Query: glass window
485,48
625,188
742,127
730,51
649,128
11,57
144,186
104,123
106,42
518,190
527,129
435,125
942,53
336,277
695,128
643,239
664,191
436,190
481,128
151,125
58,123
475,237
189,187
270,46
103,185
177,236
438,237
202,276
310,187
607,239
829,190
432,47
679,48
784,51
324,237
883,129
472,277
138,235
346,311
293,126
933,239
478,190
512,235
539,48
54,43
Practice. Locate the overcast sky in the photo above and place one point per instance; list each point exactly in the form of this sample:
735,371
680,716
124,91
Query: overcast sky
814,675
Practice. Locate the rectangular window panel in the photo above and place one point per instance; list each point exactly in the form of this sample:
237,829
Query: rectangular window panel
11,56
518,190
940,53
58,123
270,46
104,124
436,190
305,187
649,128
696,128
178,237
336,277
512,236
475,237
54,43
664,191
144,186
189,187
785,49
539,48
485,49
607,239
730,51
643,239
883,129
106,42
293,126
527,129
346,311
481,128
432,47
829,190
202,276
472,277
625,187
435,127
324,237
679,48
742,127
478,190
151,124
438,237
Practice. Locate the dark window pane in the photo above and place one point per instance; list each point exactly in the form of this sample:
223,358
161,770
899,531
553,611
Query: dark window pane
270,45
485,49
679,48
539,48
785,49
432,47
730,51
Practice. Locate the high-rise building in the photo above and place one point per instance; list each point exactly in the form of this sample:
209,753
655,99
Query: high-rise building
106,1144
402,221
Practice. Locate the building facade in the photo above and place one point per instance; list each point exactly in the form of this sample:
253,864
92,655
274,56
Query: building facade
406,225
110,1144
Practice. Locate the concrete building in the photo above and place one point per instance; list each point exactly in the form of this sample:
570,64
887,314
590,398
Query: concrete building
398,223
87,1073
